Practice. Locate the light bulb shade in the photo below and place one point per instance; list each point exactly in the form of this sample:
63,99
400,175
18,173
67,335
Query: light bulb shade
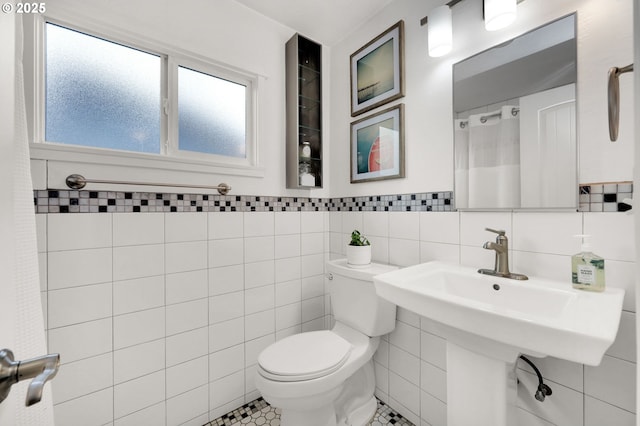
499,13
440,31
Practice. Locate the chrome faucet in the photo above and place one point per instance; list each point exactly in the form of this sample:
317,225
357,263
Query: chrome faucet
501,247
41,369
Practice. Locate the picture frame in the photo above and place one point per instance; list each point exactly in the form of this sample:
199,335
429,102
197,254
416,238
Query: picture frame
377,146
377,71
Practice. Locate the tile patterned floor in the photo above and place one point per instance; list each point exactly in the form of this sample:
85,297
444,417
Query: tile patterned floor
259,412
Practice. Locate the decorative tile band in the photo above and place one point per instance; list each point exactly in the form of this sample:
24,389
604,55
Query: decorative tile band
72,201
425,201
133,202
605,197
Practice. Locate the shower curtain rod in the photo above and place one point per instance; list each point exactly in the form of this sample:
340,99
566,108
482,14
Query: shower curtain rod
76,181
484,118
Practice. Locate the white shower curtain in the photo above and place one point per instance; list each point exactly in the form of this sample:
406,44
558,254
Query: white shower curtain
494,159
20,278
461,145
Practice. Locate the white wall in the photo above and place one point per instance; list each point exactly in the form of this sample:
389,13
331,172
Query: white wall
411,363
428,100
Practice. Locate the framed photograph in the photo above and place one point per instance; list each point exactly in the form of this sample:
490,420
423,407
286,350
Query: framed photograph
377,146
377,71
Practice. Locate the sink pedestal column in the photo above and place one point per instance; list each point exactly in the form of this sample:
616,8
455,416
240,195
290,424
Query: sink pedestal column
481,390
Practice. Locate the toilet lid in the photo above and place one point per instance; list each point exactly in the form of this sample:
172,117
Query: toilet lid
304,356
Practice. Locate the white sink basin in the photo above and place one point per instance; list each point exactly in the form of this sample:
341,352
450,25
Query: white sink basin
538,317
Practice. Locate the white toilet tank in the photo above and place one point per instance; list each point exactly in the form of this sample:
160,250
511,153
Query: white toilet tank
354,300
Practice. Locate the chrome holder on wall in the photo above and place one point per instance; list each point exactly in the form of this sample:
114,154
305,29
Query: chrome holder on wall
76,181
40,369
614,99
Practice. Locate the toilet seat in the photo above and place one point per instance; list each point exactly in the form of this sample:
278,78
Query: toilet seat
304,356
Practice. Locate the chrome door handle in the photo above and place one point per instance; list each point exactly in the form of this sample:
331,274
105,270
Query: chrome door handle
41,369
614,99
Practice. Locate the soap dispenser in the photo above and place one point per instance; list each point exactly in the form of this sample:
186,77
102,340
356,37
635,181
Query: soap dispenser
587,268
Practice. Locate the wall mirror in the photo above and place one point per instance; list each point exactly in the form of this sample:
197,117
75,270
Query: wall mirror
514,113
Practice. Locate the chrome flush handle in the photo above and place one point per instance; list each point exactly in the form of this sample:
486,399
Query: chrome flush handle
41,369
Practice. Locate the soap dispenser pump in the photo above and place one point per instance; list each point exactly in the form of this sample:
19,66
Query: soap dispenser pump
587,268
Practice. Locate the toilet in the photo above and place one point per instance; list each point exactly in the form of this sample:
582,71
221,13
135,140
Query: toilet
326,378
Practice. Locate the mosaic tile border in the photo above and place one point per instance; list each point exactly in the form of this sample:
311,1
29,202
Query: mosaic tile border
605,197
598,197
425,201
73,201
259,412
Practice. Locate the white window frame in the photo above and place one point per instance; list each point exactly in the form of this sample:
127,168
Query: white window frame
64,156
176,61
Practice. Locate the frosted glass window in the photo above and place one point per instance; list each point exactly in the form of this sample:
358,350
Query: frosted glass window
101,94
211,114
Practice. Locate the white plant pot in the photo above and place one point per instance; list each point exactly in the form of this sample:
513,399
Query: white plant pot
358,255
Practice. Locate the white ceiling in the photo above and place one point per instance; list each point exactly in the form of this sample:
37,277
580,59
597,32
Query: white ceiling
324,21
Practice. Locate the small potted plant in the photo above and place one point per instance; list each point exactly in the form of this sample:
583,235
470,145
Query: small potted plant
358,250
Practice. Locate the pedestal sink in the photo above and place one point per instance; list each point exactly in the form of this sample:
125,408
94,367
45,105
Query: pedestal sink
489,321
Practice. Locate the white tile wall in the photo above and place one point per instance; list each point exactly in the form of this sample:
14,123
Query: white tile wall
73,268
153,415
77,231
136,394
226,334
226,306
138,294
551,233
185,286
286,246
131,229
287,223
139,360
138,261
186,376
226,362
259,273
82,340
138,327
94,408
181,409
199,295
167,313
71,381
410,363
185,346
79,304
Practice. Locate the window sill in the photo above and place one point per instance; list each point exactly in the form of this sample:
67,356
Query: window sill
95,163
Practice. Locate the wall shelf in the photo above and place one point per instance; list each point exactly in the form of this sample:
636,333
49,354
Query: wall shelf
304,112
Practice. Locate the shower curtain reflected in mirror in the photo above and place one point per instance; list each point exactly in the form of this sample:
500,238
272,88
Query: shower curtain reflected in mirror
487,160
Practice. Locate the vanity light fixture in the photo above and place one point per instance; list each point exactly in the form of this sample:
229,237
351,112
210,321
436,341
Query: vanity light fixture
499,14
440,31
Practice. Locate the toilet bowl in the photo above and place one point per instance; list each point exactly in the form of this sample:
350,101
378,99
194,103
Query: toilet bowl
326,378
